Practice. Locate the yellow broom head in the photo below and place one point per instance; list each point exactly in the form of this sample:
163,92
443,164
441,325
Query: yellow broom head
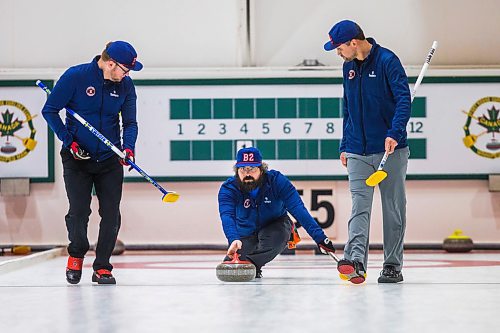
170,197
21,249
343,277
376,178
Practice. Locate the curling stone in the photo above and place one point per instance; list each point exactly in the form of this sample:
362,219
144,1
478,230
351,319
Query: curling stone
235,270
119,248
21,249
457,242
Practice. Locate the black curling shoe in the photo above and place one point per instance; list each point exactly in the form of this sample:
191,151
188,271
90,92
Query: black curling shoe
74,270
103,276
390,275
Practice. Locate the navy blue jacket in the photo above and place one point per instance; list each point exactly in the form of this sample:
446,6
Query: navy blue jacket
242,215
376,104
83,89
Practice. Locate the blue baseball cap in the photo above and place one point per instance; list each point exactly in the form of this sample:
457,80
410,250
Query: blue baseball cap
124,53
341,33
250,156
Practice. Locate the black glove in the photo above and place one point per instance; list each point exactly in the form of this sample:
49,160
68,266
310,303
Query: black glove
77,152
326,246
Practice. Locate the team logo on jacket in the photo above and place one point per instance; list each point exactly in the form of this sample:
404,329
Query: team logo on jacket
90,91
352,74
17,132
482,127
266,200
372,74
246,203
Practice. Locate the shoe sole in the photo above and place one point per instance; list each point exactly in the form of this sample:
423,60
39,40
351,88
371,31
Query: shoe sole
103,281
389,280
70,281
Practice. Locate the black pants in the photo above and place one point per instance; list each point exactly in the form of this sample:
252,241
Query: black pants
267,243
107,179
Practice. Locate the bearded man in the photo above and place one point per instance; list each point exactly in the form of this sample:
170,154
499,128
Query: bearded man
254,206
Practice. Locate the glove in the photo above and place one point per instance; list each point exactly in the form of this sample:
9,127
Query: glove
77,152
326,246
129,154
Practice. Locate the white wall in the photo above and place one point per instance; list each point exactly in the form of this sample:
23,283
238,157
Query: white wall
212,33
60,33
288,31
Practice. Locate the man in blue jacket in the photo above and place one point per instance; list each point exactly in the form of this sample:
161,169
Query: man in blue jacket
254,206
376,110
100,91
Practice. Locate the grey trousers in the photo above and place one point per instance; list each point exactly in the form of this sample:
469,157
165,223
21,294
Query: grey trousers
393,195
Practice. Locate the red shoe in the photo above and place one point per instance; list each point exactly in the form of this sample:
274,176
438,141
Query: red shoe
74,270
103,276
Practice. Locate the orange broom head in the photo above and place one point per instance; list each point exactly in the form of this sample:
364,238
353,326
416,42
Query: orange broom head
376,178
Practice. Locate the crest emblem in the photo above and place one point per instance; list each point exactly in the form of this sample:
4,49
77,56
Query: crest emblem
352,74
246,203
90,91
16,133
482,127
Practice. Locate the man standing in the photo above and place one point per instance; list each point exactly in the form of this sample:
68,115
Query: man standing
100,92
376,110
253,206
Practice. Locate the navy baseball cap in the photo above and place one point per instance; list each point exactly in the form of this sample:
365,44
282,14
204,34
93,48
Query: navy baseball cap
250,156
341,33
124,53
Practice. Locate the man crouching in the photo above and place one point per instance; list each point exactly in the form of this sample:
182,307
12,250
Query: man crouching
254,206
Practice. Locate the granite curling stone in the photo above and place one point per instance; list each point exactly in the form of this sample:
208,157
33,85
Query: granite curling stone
236,270
119,248
457,242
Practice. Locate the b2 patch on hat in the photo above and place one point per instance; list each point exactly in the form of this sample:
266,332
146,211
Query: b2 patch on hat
248,157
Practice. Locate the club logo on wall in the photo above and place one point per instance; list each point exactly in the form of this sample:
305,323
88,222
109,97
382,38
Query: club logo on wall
482,127
17,133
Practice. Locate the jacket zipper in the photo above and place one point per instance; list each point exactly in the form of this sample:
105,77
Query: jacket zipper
361,107
100,121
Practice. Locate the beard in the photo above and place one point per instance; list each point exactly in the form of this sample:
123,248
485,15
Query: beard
351,58
248,184
348,59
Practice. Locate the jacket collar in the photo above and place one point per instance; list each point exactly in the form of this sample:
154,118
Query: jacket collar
372,53
97,70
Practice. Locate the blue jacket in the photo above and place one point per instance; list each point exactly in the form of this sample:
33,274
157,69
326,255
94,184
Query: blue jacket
242,215
83,89
376,104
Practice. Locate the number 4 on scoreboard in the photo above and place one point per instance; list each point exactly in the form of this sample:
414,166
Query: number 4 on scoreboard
243,144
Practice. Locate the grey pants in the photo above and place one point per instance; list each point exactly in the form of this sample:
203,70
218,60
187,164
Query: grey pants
393,195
